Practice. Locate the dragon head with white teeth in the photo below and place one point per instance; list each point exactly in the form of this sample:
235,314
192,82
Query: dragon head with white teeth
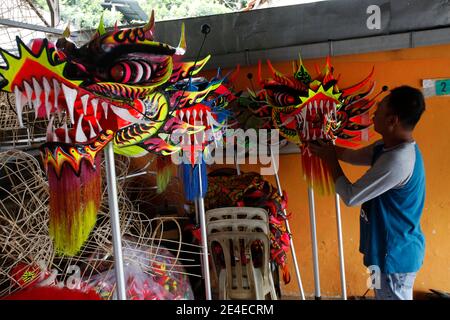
306,109
121,86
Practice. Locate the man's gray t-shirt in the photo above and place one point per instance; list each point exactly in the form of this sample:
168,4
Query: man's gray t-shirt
392,194
391,170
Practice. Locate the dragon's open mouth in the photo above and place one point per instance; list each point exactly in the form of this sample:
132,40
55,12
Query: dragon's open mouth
82,114
313,120
103,85
316,117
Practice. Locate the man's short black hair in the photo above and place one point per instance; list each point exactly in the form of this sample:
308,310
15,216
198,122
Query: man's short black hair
408,104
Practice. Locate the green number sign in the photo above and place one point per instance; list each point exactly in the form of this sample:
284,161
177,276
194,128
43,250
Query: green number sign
443,87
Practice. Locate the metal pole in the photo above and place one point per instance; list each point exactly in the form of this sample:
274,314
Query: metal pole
201,210
341,249
115,221
288,229
197,218
340,241
312,217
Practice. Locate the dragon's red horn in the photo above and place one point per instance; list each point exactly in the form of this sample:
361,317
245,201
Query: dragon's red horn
351,90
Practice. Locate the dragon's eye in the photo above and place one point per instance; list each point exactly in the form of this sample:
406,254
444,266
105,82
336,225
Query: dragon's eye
131,72
285,99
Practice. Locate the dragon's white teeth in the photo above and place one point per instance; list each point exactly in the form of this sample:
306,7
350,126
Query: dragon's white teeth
46,85
56,91
66,134
315,106
188,116
94,104
201,115
321,106
194,115
98,125
125,114
91,130
327,107
181,114
37,91
19,106
79,134
29,93
70,95
304,112
47,90
105,109
84,101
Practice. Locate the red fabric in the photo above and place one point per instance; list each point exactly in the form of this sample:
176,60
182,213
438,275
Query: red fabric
53,293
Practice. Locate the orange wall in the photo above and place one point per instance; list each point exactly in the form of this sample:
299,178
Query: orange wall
392,68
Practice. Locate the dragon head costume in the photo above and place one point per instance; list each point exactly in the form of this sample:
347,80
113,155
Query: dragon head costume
305,109
123,87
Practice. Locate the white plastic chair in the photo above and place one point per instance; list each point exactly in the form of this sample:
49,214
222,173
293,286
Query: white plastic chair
235,229
241,279
237,213
246,225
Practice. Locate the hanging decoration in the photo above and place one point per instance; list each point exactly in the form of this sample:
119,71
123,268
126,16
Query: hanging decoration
121,86
306,108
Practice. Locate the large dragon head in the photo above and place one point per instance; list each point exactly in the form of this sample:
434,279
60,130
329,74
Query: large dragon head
122,86
306,109
103,85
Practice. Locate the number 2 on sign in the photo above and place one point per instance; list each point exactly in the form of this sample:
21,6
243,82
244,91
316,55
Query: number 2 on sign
443,87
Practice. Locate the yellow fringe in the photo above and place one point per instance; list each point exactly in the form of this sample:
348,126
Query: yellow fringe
70,243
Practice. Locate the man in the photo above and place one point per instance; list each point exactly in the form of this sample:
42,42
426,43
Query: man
391,192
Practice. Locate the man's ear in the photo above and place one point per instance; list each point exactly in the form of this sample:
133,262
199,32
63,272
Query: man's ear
393,120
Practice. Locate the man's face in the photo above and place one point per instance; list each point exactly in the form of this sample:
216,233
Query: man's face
380,118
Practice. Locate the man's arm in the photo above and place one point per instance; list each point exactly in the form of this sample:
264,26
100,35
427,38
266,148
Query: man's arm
360,157
389,171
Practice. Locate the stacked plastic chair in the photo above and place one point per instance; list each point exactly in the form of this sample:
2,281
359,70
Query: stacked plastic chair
239,245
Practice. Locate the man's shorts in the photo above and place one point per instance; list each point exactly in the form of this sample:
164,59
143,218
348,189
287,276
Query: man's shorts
396,286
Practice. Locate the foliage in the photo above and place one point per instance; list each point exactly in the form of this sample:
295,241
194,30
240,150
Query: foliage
85,14
178,9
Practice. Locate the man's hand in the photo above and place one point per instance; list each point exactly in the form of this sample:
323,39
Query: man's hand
323,149
327,152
